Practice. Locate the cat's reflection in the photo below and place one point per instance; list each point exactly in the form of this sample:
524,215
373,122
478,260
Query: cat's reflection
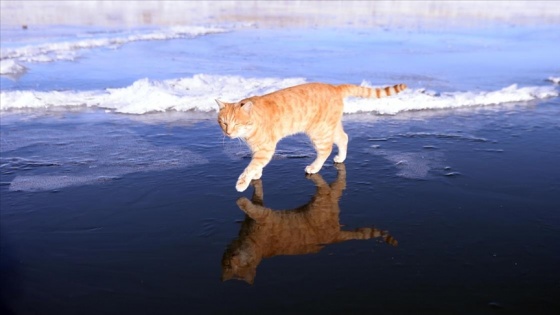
307,229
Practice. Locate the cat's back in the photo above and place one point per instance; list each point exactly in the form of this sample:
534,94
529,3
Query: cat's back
301,103
295,109
315,89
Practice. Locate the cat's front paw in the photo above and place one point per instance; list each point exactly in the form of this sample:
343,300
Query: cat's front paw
243,203
242,183
312,169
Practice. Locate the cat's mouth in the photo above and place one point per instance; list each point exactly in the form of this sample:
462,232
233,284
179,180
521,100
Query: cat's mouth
234,134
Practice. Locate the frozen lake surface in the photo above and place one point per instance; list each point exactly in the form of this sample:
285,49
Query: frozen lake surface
117,185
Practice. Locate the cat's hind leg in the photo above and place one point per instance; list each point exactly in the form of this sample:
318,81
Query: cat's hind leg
341,141
323,145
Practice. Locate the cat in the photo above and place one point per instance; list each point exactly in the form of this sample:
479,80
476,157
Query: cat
306,229
312,108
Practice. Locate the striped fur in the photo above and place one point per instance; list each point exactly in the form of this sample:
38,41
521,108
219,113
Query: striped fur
313,108
362,91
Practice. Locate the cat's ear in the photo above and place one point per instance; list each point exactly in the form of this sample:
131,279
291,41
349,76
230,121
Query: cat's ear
247,105
250,276
221,104
227,275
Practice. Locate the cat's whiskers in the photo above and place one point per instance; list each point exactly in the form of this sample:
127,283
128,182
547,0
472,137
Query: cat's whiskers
241,140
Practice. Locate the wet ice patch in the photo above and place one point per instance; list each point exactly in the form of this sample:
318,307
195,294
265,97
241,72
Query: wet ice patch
413,165
436,136
293,147
83,155
242,152
443,136
292,154
235,149
55,182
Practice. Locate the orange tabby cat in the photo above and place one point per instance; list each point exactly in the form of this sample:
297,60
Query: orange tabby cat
303,230
312,108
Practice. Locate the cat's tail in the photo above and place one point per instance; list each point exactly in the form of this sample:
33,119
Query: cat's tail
366,234
362,91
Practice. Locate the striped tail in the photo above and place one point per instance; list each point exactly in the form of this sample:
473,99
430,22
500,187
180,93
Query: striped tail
366,234
362,91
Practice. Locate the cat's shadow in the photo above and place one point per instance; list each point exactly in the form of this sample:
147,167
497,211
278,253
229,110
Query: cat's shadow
303,230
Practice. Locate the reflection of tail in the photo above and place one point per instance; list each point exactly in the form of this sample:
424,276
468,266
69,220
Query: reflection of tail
366,234
362,91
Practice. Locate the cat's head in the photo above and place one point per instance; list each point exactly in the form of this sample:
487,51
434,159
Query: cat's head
235,118
240,262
